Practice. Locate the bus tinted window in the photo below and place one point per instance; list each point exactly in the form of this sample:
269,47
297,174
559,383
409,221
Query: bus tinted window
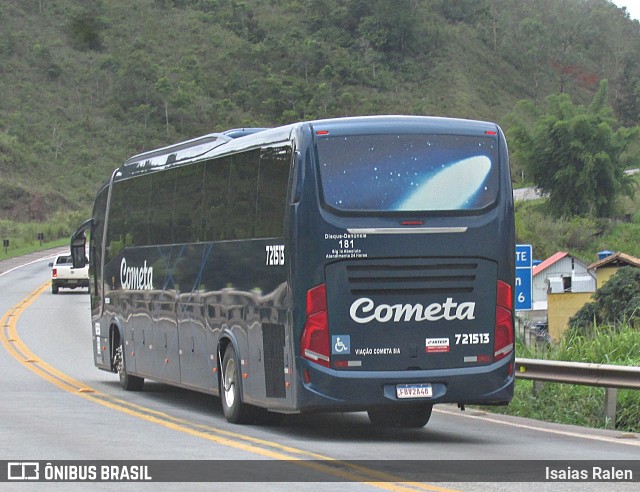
243,194
408,172
273,180
163,187
187,219
215,199
127,227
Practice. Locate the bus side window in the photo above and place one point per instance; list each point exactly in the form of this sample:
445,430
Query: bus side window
187,220
242,195
273,182
161,206
215,197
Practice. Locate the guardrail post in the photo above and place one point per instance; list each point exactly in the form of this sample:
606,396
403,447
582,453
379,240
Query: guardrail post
538,387
610,403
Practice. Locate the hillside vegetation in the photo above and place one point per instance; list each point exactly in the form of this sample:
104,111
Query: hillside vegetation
86,84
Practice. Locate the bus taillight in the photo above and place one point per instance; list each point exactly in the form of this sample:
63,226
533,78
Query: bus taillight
315,336
504,335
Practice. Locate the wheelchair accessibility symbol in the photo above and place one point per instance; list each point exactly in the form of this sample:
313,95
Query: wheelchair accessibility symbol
341,344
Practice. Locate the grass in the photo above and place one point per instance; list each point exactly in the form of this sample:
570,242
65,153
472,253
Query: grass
25,249
23,240
601,345
577,404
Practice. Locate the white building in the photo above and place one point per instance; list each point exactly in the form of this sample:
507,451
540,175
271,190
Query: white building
559,273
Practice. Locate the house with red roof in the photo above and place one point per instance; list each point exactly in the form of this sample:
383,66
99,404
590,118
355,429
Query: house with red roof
562,284
560,273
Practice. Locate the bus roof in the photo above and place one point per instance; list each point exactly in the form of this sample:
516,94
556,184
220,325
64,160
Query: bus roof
242,138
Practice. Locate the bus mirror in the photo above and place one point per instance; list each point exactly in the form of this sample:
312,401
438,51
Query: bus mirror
78,251
78,244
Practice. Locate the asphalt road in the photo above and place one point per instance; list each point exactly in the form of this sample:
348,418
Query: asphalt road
56,405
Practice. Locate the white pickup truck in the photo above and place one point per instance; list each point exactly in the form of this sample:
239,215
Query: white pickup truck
64,275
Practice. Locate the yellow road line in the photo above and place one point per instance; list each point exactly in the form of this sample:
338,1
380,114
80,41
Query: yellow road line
14,345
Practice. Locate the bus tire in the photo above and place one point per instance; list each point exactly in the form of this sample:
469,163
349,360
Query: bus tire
235,411
411,416
127,381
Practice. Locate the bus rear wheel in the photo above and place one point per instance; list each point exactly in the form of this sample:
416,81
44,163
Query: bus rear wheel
411,416
234,409
127,381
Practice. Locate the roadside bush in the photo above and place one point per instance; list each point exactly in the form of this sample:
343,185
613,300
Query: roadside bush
616,302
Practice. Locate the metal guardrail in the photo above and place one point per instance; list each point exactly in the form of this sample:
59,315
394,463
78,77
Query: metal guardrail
602,375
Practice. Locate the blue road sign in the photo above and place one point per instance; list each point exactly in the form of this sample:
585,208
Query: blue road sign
524,256
524,272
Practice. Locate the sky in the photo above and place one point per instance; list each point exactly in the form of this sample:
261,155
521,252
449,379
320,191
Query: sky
633,7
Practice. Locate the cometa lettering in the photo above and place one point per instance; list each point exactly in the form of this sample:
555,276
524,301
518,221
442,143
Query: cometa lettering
136,278
364,310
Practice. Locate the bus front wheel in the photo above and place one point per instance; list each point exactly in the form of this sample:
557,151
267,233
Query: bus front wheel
406,416
234,409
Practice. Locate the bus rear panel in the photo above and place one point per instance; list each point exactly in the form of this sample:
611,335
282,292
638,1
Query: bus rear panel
409,241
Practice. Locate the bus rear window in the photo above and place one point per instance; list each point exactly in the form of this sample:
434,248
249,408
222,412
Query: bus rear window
408,172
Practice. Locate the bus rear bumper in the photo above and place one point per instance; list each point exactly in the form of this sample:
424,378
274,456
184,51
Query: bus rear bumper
331,390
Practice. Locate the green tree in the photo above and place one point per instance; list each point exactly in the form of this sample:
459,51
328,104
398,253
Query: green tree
574,154
616,302
85,31
627,102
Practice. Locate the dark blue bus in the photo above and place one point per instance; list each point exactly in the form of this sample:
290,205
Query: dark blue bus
350,264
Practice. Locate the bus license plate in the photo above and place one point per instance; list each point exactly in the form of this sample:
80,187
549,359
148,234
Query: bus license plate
414,391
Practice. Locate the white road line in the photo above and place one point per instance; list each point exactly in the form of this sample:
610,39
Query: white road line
32,262
631,441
